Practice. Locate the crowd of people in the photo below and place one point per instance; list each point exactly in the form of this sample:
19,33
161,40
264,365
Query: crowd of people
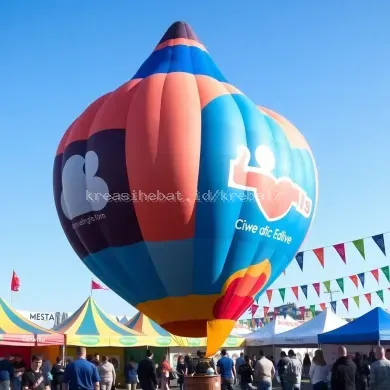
87,372
358,372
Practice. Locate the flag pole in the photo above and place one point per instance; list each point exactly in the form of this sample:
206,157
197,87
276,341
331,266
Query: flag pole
13,271
91,286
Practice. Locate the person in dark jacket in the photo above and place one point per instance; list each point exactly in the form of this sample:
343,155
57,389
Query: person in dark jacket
57,372
282,364
362,372
246,372
147,372
343,372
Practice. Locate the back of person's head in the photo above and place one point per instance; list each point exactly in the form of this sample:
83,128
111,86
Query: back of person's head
247,359
291,353
104,359
164,357
319,358
223,352
149,353
379,352
261,353
342,351
81,352
131,359
358,357
283,354
242,354
58,359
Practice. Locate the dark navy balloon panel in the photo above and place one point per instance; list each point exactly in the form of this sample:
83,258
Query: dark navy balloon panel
181,194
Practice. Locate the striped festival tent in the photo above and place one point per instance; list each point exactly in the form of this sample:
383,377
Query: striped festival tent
90,326
15,330
143,324
162,338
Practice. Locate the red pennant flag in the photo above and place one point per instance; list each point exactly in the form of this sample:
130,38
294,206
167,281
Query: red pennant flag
303,311
269,295
340,249
253,309
317,288
97,286
15,282
323,306
375,274
355,280
368,296
295,291
319,252
266,310
345,301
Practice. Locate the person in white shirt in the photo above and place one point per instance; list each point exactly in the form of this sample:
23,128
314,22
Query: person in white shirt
319,371
264,373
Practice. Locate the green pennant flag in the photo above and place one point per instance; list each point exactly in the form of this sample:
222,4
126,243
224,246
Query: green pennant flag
282,292
359,244
340,282
380,295
386,272
327,285
357,301
313,310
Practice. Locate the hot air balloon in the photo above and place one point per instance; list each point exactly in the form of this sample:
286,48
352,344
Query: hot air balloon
182,195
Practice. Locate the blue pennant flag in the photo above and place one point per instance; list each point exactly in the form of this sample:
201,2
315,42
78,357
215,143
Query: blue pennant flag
379,240
333,305
304,290
361,277
299,258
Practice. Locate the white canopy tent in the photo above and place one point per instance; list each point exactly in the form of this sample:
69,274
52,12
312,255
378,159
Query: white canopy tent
265,335
307,334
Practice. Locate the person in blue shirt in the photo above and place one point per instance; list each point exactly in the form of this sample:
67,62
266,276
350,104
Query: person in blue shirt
225,367
6,373
81,374
239,362
131,376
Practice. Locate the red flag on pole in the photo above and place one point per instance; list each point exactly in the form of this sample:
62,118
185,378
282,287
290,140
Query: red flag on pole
97,286
15,282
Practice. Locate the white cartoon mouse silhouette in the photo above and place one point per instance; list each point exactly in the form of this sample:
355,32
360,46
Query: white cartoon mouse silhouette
82,192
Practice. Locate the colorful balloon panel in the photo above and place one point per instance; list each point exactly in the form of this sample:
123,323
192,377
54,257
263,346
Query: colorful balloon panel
181,194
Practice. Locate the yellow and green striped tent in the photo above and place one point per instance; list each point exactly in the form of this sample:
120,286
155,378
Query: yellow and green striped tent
15,330
160,337
90,326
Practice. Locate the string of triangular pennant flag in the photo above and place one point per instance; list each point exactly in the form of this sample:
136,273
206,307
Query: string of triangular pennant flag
355,279
340,249
323,306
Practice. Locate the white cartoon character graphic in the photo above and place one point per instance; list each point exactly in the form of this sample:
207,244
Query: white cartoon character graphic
274,196
82,192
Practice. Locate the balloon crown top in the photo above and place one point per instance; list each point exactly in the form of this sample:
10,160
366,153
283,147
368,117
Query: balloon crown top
179,30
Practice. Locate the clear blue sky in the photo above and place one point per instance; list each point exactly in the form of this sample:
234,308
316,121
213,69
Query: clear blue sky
323,65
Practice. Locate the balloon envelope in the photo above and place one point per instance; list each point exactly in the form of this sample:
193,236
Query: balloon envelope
181,194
